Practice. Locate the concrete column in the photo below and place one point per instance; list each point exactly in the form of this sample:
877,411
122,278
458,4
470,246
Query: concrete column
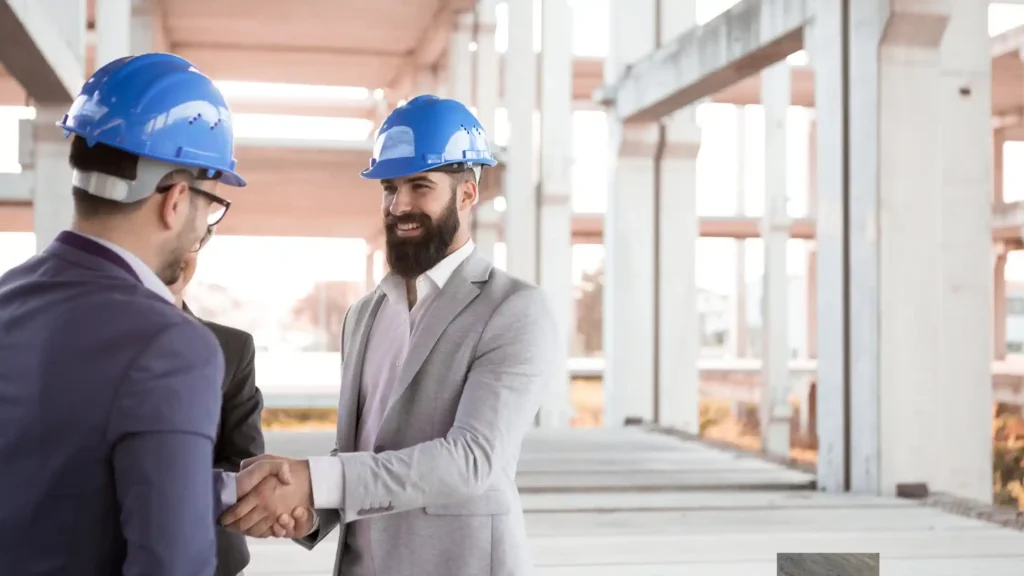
999,250
775,410
832,197
460,59
147,34
677,392
369,282
812,250
555,223
999,301
741,330
487,220
629,238
920,247
43,148
486,229
488,65
113,30
520,229
52,203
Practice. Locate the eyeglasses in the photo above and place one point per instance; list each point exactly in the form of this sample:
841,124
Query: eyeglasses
218,206
202,241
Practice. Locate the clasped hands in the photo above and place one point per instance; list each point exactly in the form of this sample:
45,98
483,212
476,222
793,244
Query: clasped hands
275,498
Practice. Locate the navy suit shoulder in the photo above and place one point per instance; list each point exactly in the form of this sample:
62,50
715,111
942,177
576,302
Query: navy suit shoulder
108,393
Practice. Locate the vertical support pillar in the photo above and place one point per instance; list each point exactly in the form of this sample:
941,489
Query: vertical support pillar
46,150
741,331
113,30
920,242
831,89
812,249
147,34
775,410
369,282
678,345
999,300
487,220
52,203
520,228
999,264
555,224
629,305
460,60
488,65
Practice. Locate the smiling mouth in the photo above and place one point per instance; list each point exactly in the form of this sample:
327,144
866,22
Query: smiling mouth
408,229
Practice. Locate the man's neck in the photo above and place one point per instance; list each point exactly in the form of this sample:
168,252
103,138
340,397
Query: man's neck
118,237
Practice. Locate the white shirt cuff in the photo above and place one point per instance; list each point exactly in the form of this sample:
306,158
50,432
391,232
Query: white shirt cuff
328,484
228,488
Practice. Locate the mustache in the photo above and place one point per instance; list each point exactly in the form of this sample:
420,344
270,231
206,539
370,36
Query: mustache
392,221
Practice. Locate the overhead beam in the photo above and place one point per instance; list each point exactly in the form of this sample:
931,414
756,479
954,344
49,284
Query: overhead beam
36,54
428,51
1009,42
740,42
11,93
335,68
16,187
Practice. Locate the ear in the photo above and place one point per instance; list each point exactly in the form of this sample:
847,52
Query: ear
174,205
469,193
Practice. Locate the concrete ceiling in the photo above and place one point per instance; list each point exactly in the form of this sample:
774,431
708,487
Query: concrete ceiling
375,44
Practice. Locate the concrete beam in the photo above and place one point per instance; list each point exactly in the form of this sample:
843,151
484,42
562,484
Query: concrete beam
696,64
16,187
35,53
428,51
306,144
1009,42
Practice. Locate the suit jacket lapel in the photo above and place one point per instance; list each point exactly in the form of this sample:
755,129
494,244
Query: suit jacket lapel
457,293
352,371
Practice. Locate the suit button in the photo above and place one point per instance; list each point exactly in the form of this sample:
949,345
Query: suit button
378,449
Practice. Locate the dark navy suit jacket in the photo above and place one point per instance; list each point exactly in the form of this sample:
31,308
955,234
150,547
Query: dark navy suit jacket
109,405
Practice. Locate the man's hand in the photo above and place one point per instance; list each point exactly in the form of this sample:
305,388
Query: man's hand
268,499
295,525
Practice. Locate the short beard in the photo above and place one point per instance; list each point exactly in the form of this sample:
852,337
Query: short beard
411,257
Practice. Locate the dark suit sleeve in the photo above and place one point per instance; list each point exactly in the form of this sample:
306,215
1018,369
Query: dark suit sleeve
162,426
241,432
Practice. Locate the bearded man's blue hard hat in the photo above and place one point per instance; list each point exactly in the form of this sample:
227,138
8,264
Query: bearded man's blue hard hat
157,106
426,134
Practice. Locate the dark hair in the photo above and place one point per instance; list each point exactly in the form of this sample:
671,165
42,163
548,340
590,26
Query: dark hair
112,162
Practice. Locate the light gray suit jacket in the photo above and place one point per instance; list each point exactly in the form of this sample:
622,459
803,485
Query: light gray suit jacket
439,489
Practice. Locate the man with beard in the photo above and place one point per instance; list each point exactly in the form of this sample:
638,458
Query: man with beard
240,435
109,395
443,370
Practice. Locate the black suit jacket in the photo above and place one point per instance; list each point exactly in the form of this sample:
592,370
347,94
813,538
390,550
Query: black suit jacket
240,435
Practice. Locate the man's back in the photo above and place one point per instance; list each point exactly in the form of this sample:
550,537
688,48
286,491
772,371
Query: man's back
109,398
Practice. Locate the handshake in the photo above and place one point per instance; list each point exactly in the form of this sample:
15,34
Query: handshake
274,498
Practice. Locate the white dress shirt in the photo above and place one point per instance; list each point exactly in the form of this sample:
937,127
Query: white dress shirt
392,331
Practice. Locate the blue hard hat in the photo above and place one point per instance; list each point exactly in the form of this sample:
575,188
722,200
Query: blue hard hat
426,134
157,106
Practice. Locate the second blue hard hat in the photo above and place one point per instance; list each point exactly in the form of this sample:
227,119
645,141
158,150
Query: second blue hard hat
425,134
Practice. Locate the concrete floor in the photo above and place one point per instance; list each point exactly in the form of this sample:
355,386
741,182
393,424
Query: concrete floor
625,502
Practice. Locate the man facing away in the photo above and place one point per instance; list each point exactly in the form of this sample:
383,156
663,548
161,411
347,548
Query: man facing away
109,395
240,435
444,369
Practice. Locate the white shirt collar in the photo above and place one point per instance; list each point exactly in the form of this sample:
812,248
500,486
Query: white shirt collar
149,278
439,274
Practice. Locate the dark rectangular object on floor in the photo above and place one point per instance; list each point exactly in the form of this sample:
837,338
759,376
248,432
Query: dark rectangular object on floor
831,564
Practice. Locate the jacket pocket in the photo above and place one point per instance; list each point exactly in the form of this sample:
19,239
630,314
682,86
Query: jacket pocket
492,502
